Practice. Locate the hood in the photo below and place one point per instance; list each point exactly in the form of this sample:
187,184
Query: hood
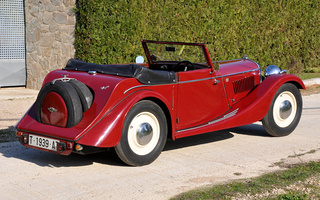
237,66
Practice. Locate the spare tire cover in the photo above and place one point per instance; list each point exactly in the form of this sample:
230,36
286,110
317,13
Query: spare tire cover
58,104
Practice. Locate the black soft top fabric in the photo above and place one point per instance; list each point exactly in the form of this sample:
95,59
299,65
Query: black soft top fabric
143,74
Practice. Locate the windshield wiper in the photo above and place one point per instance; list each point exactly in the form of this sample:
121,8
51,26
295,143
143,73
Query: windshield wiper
179,57
153,58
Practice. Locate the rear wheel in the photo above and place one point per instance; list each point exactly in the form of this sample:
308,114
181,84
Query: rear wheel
285,111
144,134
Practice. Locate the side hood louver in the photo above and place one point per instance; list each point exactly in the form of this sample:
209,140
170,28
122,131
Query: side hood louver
242,85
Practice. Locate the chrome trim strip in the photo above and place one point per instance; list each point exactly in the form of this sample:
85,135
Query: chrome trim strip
231,114
134,87
196,80
241,72
139,86
219,61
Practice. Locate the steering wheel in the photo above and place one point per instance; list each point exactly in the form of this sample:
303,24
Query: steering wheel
186,65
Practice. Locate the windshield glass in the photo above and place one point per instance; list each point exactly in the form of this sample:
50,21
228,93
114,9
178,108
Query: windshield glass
176,52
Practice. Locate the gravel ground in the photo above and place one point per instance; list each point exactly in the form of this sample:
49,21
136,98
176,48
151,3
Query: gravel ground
14,103
12,110
185,164
314,89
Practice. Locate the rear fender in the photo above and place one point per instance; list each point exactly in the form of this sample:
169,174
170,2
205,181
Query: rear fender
107,131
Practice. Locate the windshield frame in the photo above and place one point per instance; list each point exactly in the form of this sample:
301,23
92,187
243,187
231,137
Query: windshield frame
202,46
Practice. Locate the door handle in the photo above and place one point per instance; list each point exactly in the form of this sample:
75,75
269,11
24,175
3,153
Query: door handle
216,82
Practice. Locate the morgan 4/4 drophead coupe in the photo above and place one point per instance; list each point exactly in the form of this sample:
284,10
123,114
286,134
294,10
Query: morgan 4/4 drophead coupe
134,108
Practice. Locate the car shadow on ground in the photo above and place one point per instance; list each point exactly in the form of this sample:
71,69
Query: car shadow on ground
250,130
109,157
255,129
198,140
14,150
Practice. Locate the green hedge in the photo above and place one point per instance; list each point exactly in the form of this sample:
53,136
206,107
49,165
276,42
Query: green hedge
281,32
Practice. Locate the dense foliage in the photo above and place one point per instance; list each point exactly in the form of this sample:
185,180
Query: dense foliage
281,32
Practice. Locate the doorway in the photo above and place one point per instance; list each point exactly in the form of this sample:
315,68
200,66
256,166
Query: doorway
12,43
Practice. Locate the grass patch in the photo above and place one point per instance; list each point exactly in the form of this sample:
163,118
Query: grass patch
298,182
305,76
8,135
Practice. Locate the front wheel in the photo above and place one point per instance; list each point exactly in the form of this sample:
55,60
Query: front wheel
144,134
285,111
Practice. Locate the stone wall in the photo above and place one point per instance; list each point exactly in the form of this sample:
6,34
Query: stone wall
50,28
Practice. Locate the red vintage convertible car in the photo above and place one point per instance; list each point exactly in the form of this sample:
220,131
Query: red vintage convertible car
134,108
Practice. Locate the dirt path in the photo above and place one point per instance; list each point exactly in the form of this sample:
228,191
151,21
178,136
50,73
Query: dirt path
13,110
184,164
14,102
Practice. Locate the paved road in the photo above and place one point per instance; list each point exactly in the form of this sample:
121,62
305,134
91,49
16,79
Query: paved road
185,164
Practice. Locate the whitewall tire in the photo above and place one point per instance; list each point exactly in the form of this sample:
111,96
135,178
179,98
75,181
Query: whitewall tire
144,134
285,111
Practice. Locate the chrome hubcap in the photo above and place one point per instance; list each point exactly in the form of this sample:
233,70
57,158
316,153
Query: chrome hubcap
144,134
285,109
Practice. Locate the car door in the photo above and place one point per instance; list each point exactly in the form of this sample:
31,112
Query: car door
200,98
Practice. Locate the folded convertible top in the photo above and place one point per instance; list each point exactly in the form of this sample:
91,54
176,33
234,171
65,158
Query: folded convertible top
143,74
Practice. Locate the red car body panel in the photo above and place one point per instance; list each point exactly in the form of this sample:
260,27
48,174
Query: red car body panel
201,101
250,109
107,112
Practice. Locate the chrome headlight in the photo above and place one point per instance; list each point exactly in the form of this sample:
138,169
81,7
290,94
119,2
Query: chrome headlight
273,69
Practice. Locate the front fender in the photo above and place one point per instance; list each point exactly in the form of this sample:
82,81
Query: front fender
265,92
261,97
278,80
107,131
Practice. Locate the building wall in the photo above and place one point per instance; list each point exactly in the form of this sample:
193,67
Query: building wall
50,28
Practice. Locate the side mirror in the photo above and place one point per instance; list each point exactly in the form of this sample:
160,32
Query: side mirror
139,59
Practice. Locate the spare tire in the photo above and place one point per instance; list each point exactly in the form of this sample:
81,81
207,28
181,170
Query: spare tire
58,104
83,92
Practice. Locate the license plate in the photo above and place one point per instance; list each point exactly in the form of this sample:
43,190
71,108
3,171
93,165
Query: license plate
43,142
